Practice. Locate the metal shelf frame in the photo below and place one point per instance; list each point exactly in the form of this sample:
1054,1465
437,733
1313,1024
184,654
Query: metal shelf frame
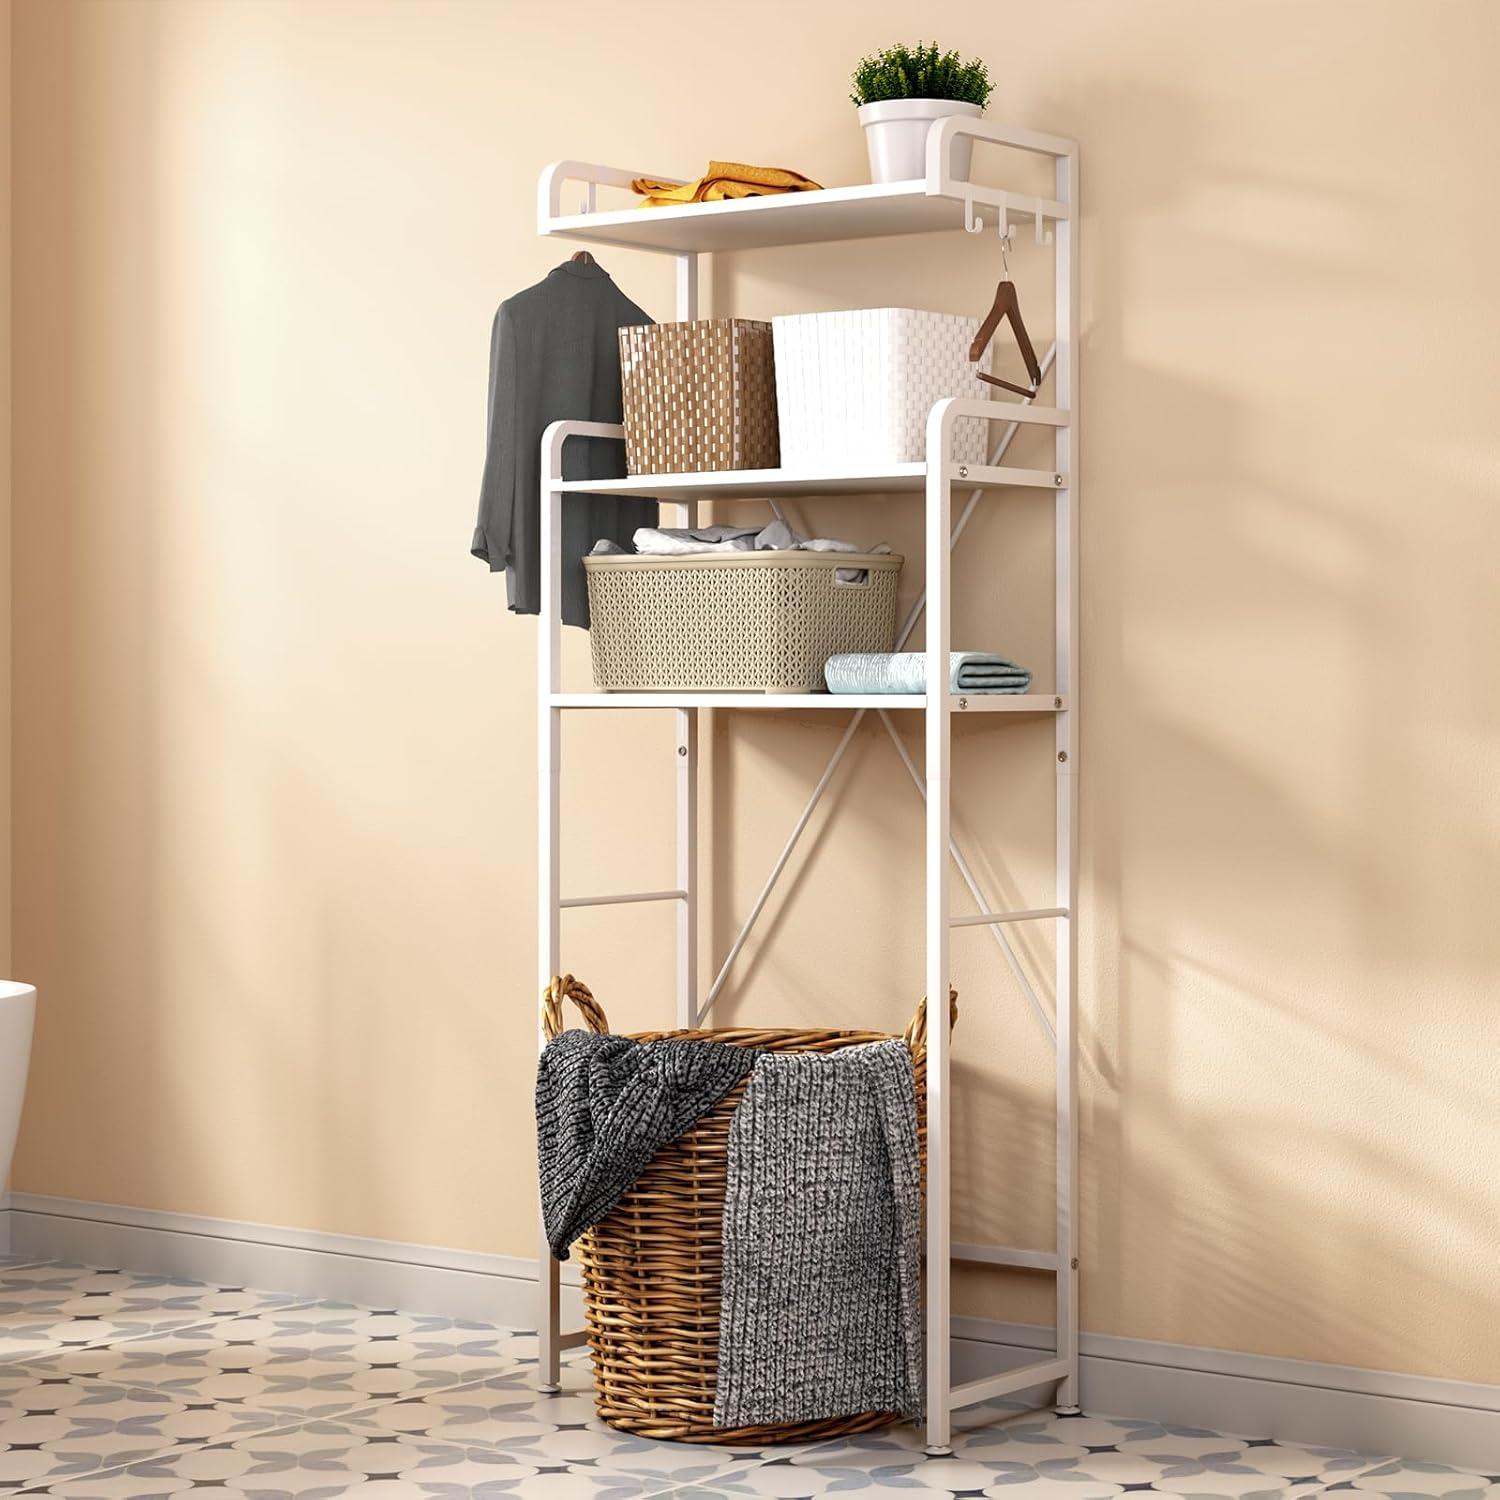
937,202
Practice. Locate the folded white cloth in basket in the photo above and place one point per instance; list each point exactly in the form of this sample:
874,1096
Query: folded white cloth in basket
682,541
693,541
679,541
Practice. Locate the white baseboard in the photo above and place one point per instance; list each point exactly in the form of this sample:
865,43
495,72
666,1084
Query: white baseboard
305,1262
1419,1416
1339,1406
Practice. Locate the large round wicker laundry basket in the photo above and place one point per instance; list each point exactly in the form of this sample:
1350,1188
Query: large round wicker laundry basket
651,1270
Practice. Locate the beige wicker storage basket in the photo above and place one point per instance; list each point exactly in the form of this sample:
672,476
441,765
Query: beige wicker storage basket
652,1269
735,621
699,396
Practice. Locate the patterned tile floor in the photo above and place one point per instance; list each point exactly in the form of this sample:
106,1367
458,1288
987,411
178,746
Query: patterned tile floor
114,1384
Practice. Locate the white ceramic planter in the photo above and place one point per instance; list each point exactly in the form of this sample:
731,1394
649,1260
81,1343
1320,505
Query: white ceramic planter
896,137
17,1012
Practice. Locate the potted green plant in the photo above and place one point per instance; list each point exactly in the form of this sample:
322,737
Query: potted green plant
901,91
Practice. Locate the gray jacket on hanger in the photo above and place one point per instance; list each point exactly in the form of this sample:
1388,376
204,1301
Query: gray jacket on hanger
553,355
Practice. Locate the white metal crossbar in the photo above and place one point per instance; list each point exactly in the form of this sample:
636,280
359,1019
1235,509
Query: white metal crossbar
627,899
1004,1255
995,918
1022,1378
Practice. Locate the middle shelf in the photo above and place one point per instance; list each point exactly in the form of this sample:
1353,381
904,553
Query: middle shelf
971,703
887,479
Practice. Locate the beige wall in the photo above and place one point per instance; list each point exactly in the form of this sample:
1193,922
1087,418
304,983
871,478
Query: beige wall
273,745
5,486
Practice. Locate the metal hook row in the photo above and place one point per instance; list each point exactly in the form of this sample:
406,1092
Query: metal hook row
974,223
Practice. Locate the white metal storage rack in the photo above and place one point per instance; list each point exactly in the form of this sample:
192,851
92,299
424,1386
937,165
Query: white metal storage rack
933,203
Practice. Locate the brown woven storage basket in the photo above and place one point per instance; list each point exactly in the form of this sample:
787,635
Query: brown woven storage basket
699,397
651,1270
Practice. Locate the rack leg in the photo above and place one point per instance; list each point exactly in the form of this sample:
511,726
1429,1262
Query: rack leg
1067,1076
939,726
687,866
1067,746
549,1324
549,824
549,757
687,749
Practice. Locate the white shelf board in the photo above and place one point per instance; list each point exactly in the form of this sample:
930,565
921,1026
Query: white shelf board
890,479
990,703
838,213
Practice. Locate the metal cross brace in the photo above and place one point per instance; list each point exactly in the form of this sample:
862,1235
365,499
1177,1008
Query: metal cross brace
965,869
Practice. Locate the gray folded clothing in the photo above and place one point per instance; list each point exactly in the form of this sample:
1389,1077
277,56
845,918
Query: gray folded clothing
605,1105
821,1296
906,672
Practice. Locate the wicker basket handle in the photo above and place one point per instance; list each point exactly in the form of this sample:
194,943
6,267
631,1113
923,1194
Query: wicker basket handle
915,1034
565,987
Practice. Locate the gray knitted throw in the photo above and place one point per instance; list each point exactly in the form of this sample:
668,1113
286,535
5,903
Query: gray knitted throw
821,1312
605,1105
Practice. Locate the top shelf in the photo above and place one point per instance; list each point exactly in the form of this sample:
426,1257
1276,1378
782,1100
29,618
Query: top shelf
921,206
847,213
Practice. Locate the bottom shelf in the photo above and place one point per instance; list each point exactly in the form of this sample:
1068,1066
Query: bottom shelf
975,703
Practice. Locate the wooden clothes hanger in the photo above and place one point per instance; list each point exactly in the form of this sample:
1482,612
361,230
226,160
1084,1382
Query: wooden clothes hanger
582,257
1006,306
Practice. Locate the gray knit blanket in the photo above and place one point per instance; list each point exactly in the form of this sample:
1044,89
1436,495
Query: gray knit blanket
821,1312
605,1105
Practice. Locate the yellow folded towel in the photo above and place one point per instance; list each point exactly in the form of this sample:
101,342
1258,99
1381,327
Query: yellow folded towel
724,179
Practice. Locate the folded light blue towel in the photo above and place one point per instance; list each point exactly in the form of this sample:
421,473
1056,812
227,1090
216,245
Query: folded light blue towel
906,672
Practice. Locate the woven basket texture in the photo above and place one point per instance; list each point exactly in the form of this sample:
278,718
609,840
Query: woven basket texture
699,397
652,1269
856,388
750,621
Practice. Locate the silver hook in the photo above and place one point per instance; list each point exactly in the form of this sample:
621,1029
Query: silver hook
1004,255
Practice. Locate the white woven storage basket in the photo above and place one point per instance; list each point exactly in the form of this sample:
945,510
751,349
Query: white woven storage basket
855,388
745,621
